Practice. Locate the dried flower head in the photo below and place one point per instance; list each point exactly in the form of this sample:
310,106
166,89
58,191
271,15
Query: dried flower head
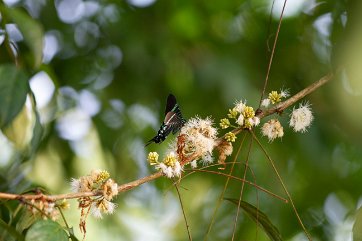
83,184
272,129
196,139
97,181
225,149
102,206
44,208
110,189
301,118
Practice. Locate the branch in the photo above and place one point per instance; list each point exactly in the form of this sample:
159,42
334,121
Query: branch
128,186
292,100
279,108
122,188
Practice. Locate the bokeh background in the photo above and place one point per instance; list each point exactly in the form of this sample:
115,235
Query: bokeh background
108,67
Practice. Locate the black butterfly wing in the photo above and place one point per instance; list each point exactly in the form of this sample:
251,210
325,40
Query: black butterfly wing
172,123
171,103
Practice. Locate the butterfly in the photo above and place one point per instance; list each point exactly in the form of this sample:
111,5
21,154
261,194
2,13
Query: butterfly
173,121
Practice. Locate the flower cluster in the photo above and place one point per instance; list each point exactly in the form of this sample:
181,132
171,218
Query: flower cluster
170,166
196,141
98,181
300,118
198,138
45,208
275,97
243,115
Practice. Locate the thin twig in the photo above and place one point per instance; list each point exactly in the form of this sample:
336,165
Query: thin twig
183,212
257,203
242,189
292,100
283,185
279,108
224,190
246,181
272,53
269,26
136,183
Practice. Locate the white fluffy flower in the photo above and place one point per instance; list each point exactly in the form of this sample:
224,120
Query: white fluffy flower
255,121
301,118
265,102
239,106
109,207
96,210
170,169
193,164
284,93
102,206
169,172
75,185
198,138
207,159
177,169
240,120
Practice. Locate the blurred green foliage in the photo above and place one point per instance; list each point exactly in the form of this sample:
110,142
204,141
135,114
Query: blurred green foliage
100,72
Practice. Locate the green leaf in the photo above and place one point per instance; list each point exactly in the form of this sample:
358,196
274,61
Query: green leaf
259,218
46,230
31,30
11,231
71,234
20,130
357,226
13,90
37,134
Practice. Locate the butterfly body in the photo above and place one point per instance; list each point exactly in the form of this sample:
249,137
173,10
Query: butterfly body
172,123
